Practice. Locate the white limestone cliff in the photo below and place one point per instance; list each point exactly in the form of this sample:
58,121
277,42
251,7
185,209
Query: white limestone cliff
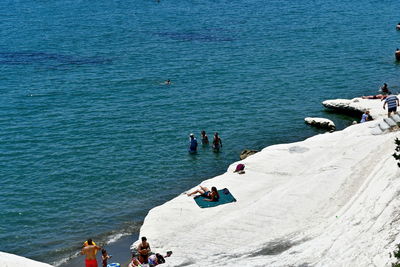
11,260
331,200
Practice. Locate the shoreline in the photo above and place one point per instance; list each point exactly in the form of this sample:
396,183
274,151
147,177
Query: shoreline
119,250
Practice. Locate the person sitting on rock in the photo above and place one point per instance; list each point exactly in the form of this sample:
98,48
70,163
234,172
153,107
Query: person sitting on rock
144,250
134,263
365,117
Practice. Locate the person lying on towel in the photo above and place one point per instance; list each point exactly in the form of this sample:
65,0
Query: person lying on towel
207,194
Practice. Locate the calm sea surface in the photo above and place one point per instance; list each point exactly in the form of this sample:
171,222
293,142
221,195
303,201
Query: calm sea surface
90,139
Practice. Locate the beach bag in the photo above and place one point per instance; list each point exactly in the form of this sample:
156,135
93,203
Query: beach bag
239,167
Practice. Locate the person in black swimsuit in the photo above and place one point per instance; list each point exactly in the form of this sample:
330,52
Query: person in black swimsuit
204,138
144,250
217,142
207,194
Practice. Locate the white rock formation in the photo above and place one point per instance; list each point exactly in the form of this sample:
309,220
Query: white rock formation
10,260
358,105
331,200
320,123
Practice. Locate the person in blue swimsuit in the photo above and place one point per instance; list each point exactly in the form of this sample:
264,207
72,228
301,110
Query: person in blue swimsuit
192,144
365,117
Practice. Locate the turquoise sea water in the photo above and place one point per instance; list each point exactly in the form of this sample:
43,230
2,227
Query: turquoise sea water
90,139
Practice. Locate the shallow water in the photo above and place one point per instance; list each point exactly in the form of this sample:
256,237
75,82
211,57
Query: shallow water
90,139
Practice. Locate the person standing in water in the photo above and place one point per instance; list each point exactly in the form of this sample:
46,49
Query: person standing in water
192,144
384,89
204,138
90,252
217,142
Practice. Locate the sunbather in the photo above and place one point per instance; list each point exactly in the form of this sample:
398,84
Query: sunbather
374,96
207,194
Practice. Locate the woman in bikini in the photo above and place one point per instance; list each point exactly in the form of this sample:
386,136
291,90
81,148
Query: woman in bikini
207,194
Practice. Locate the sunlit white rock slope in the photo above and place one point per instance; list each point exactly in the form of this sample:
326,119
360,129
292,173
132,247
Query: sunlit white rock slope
10,260
331,200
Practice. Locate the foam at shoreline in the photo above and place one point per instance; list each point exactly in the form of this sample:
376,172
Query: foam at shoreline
327,201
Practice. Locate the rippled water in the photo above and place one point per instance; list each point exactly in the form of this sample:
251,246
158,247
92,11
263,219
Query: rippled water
90,139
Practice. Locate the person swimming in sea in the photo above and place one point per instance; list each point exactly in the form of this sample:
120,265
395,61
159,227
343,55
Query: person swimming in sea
397,54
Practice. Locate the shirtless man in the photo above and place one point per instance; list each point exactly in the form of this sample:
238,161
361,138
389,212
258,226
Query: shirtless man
90,252
144,250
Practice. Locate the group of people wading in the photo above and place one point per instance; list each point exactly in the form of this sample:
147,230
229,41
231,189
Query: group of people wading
216,144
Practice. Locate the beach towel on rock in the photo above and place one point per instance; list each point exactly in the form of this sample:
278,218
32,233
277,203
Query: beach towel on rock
224,197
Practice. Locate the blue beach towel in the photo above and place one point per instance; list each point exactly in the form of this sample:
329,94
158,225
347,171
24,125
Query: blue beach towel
224,197
113,265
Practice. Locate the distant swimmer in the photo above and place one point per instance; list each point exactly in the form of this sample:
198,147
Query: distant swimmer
217,142
192,144
167,82
398,26
204,138
90,251
397,54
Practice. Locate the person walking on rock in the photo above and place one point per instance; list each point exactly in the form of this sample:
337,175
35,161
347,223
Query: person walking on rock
393,102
